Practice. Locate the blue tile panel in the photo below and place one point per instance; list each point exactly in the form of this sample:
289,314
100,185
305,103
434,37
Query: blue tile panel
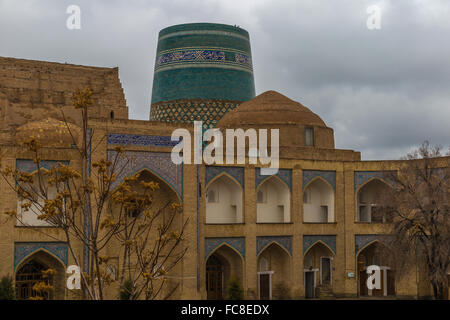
158,163
237,243
329,176
203,61
235,172
284,174
23,250
26,165
361,240
283,241
361,177
140,140
310,240
214,82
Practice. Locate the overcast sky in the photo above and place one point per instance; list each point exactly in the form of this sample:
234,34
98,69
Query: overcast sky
382,91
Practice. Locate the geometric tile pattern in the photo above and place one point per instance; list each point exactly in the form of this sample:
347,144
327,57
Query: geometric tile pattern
362,240
159,163
26,165
24,249
235,172
310,240
141,140
181,57
329,176
207,111
237,243
284,174
283,241
361,177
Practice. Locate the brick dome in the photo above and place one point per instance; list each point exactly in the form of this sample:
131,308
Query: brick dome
49,132
272,110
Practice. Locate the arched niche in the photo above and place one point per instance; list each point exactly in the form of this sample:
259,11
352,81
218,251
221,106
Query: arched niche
273,201
224,201
378,254
30,217
274,273
29,272
370,202
318,202
318,270
223,265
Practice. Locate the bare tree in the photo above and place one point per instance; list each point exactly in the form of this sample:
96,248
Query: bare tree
93,208
419,205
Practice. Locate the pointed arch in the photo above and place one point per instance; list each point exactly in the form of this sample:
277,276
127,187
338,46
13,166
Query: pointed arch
377,253
31,254
221,265
313,180
319,242
220,175
370,180
30,271
157,175
224,244
275,243
270,177
276,280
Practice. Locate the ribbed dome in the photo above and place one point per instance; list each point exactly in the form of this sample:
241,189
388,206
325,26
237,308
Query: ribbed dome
270,108
49,132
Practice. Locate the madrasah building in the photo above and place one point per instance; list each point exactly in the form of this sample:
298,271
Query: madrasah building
308,231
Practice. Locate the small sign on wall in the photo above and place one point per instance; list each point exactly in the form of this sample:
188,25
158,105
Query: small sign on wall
350,274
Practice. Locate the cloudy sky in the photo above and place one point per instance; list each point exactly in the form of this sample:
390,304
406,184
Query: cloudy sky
383,91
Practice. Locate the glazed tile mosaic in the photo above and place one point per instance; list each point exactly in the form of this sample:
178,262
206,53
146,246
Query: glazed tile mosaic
237,243
310,240
264,242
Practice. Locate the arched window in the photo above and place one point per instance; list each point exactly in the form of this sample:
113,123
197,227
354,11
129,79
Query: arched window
318,202
370,207
273,202
224,201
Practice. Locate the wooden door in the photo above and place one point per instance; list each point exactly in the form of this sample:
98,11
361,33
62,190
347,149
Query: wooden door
214,279
264,286
309,284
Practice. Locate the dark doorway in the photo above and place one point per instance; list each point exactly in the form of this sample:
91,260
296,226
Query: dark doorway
264,286
326,271
214,279
309,284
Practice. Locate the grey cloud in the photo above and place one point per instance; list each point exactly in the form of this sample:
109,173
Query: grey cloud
383,92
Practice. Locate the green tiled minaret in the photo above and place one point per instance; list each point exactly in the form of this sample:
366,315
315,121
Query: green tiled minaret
202,70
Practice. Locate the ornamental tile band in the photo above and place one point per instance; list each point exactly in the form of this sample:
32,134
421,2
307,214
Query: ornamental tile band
284,174
140,140
237,243
158,163
283,241
329,176
310,240
23,250
235,172
207,111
